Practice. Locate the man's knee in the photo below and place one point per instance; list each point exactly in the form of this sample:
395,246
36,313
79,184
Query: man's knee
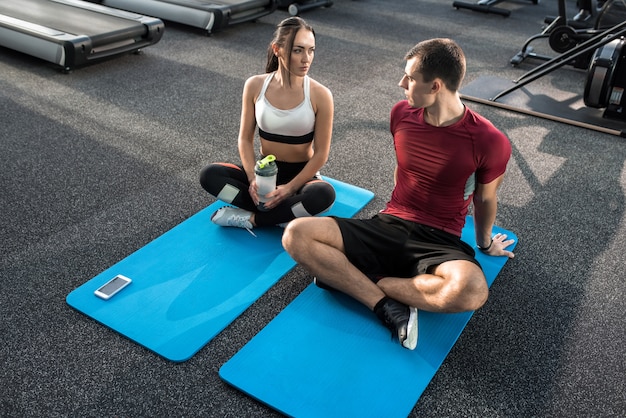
466,287
294,234
472,293
479,293
302,234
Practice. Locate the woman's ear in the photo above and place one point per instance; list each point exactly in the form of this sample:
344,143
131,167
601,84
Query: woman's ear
276,49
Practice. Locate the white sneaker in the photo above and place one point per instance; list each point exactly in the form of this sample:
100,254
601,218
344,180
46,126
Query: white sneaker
229,216
411,332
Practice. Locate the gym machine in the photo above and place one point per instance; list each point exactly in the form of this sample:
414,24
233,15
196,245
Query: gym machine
208,15
606,74
71,33
296,7
485,6
563,34
606,80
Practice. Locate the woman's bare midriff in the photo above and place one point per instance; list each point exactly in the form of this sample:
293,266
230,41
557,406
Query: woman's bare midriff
289,153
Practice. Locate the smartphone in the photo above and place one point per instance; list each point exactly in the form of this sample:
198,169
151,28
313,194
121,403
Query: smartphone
110,288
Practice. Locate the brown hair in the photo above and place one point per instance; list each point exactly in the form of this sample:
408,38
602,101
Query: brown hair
283,37
439,58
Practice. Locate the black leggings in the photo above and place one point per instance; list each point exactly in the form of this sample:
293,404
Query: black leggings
229,183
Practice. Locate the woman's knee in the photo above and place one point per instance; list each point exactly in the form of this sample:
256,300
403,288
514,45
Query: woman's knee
214,176
319,196
207,174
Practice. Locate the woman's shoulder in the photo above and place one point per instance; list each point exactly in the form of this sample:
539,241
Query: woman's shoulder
318,90
253,85
257,79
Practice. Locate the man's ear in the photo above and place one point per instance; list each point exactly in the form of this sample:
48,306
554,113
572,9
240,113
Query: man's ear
436,85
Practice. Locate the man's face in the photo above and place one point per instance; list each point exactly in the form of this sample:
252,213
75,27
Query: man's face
418,93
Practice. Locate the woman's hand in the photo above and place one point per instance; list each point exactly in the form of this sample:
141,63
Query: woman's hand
253,192
281,193
498,246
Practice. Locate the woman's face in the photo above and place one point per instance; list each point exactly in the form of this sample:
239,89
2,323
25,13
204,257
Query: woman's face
302,53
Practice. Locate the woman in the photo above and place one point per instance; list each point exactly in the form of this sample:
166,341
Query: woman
294,115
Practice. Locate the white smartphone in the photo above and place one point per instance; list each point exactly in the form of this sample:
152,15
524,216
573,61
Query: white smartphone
110,288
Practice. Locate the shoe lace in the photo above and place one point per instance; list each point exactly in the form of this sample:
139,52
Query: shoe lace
395,317
241,221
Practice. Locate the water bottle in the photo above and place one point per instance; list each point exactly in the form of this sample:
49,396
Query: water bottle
266,172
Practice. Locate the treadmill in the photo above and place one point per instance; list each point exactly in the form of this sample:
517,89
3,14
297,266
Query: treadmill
71,33
295,7
208,15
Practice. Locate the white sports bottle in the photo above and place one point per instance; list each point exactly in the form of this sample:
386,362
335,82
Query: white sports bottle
266,172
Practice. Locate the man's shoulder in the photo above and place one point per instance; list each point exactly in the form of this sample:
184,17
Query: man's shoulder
480,123
477,117
403,108
402,104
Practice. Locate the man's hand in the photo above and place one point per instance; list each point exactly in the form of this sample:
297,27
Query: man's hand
498,246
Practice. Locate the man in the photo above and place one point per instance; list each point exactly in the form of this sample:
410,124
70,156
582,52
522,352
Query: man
410,255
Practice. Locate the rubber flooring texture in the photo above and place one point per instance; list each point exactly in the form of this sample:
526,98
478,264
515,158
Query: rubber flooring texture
97,163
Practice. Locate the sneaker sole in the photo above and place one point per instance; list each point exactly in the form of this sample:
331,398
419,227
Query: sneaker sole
322,285
410,341
213,216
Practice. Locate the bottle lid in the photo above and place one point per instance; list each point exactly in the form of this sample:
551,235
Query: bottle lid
266,161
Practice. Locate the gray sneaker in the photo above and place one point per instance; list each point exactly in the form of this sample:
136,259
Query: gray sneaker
229,216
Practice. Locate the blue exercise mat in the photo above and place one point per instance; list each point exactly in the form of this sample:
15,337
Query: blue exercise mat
194,280
326,355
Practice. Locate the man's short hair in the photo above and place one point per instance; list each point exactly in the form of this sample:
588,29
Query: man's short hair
439,58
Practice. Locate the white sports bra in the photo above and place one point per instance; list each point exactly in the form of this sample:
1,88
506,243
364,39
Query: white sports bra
293,126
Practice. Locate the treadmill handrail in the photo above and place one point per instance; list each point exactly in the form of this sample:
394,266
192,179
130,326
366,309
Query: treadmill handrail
98,8
33,28
204,5
103,9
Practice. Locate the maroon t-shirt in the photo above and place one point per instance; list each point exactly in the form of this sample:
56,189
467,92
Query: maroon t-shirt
438,167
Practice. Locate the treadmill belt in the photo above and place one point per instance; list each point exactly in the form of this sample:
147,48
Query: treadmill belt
70,19
209,15
70,33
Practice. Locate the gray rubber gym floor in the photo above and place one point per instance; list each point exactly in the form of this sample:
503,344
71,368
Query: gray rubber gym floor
99,162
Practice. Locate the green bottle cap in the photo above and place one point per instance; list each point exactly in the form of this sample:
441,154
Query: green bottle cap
265,161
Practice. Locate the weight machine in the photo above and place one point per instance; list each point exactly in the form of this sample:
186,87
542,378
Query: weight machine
563,34
606,73
485,6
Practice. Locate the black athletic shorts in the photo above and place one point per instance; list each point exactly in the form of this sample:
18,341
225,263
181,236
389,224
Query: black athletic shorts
386,245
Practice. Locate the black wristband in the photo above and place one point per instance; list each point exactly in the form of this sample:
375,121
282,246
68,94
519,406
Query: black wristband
483,249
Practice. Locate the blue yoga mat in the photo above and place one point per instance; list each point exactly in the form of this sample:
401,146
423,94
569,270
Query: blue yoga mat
194,280
326,355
